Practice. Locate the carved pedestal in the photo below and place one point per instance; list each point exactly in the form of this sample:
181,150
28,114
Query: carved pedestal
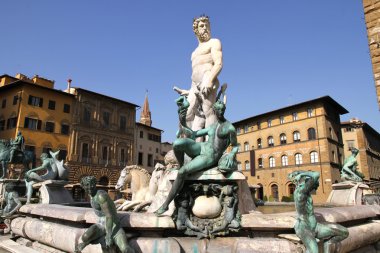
347,193
54,192
209,203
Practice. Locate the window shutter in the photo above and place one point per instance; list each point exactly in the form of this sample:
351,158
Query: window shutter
39,124
41,102
26,122
252,162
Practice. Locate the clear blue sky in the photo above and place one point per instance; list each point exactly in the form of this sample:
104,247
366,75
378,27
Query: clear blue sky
276,53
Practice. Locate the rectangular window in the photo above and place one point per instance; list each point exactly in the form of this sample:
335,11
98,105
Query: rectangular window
2,125
310,112
49,127
246,129
295,116
348,129
85,150
105,153
269,122
33,124
51,105
123,123
156,150
35,101
15,99
106,118
259,125
66,108
154,137
282,119
4,103
141,134
65,129
122,161
238,130
150,160
86,115
140,159
239,166
350,144
11,123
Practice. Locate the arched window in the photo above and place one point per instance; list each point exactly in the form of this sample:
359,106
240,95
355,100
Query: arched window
247,165
246,146
270,141
284,160
239,166
103,180
260,162
274,192
291,189
313,157
272,162
239,147
259,143
296,136
283,139
298,158
311,134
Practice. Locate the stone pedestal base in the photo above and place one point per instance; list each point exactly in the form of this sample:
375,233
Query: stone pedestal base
347,193
54,192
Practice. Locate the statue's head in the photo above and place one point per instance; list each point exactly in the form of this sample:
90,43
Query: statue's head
219,108
18,133
88,184
354,151
44,156
9,187
201,28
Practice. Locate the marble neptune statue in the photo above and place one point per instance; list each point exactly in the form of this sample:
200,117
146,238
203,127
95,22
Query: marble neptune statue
207,62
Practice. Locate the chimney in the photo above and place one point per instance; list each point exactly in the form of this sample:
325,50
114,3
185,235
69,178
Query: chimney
69,85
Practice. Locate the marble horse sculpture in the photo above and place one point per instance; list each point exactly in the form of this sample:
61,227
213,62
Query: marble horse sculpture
138,178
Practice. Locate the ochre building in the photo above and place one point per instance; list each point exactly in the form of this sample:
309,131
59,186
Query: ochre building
360,135
304,136
101,138
40,112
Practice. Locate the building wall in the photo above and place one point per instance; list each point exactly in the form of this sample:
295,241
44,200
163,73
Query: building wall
38,138
100,142
363,137
372,19
327,145
149,149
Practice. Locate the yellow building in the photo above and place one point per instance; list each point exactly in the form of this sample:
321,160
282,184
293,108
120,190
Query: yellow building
40,112
304,136
360,135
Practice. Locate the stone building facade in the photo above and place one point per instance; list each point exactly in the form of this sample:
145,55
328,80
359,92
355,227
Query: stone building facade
40,112
360,135
304,136
102,137
372,20
149,149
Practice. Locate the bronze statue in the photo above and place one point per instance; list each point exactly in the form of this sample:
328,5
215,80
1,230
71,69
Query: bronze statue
307,228
17,146
12,199
108,228
349,170
205,155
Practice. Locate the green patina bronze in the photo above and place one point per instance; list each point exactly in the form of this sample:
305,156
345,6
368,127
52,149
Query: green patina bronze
205,155
107,231
307,228
349,170
11,198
